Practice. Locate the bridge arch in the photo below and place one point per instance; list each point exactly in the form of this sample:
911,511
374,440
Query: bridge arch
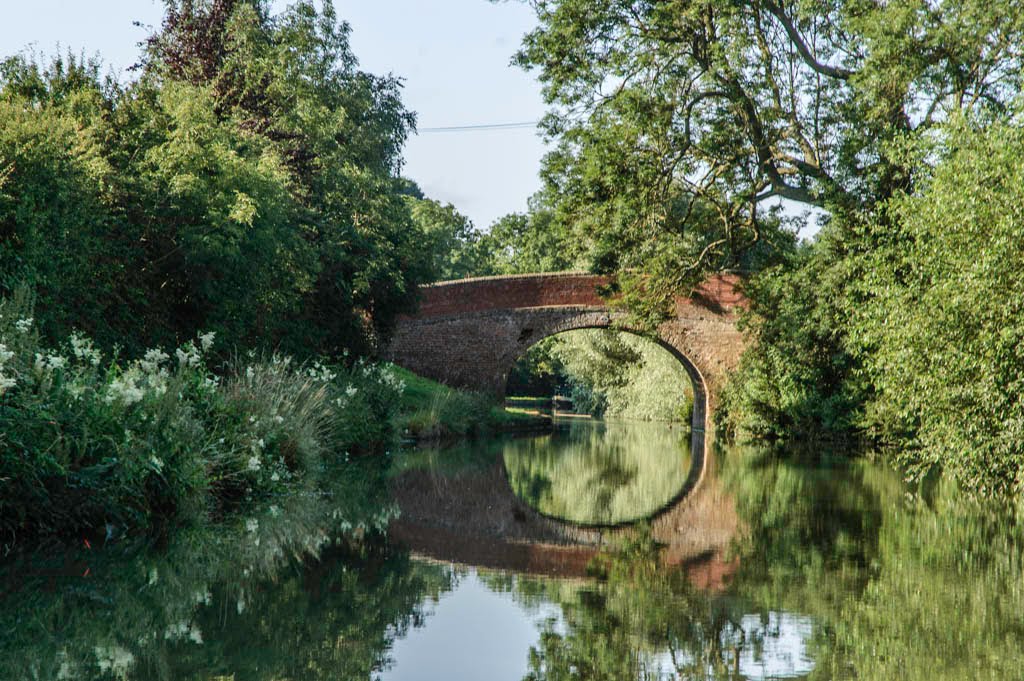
468,333
603,319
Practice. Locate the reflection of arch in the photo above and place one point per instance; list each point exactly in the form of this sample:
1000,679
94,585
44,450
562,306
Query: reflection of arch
469,333
590,319
473,517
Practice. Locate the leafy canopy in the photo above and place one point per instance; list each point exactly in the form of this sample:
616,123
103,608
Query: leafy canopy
679,124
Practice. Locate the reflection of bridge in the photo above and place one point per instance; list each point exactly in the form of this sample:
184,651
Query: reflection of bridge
472,516
469,333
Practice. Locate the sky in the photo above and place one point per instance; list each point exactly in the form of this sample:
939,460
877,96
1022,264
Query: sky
452,54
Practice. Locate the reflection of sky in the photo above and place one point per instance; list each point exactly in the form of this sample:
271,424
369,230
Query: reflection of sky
472,633
476,633
779,649
773,647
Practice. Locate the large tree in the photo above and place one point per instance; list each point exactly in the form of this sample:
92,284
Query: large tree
246,182
678,122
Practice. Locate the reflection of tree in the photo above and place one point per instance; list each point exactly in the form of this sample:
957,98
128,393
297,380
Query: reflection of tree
899,586
242,600
642,622
811,529
593,473
876,583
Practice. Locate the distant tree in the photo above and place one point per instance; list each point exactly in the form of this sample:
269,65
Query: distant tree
448,237
521,243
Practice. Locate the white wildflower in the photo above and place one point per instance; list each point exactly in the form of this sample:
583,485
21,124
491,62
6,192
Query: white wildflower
278,419
157,462
351,391
114,659
249,373
6,383
274,510
252,525
126,388
83,349
152,360
254,463
319,372
188,356
176,631
275,477
158,383
23,325
5,354
206,340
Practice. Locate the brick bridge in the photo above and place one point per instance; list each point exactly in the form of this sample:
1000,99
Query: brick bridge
469,333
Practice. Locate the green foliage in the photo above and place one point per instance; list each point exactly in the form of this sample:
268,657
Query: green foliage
679,125
450,239
429,410
797,381
904,330
87,444
943,332
245,183
526,243
610,373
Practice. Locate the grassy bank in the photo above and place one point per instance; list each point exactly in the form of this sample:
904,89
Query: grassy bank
429,410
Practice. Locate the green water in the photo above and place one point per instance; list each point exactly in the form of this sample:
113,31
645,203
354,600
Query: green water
597,473
833,571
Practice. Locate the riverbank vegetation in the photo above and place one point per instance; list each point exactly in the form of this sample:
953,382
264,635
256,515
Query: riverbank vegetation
429,410
893,129
97,446
197,269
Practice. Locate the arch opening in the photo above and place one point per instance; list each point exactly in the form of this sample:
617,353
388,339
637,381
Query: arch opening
515,380
597,473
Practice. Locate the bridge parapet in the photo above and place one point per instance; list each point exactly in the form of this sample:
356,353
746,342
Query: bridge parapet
553,289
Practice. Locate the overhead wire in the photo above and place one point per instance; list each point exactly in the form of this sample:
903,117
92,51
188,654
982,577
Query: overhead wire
524,125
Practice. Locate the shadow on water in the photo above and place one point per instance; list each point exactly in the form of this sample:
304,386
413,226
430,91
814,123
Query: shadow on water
306,590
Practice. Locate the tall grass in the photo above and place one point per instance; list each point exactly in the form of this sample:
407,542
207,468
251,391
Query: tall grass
91,444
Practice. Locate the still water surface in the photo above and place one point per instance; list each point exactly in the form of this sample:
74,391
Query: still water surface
830,570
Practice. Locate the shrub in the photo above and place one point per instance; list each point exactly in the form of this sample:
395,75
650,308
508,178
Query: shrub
88,444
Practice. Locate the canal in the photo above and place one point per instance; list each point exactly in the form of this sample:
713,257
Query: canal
569,555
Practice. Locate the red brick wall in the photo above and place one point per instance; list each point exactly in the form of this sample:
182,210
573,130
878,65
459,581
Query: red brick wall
561,289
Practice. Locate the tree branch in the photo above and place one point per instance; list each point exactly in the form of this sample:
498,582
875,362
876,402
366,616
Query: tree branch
801,45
